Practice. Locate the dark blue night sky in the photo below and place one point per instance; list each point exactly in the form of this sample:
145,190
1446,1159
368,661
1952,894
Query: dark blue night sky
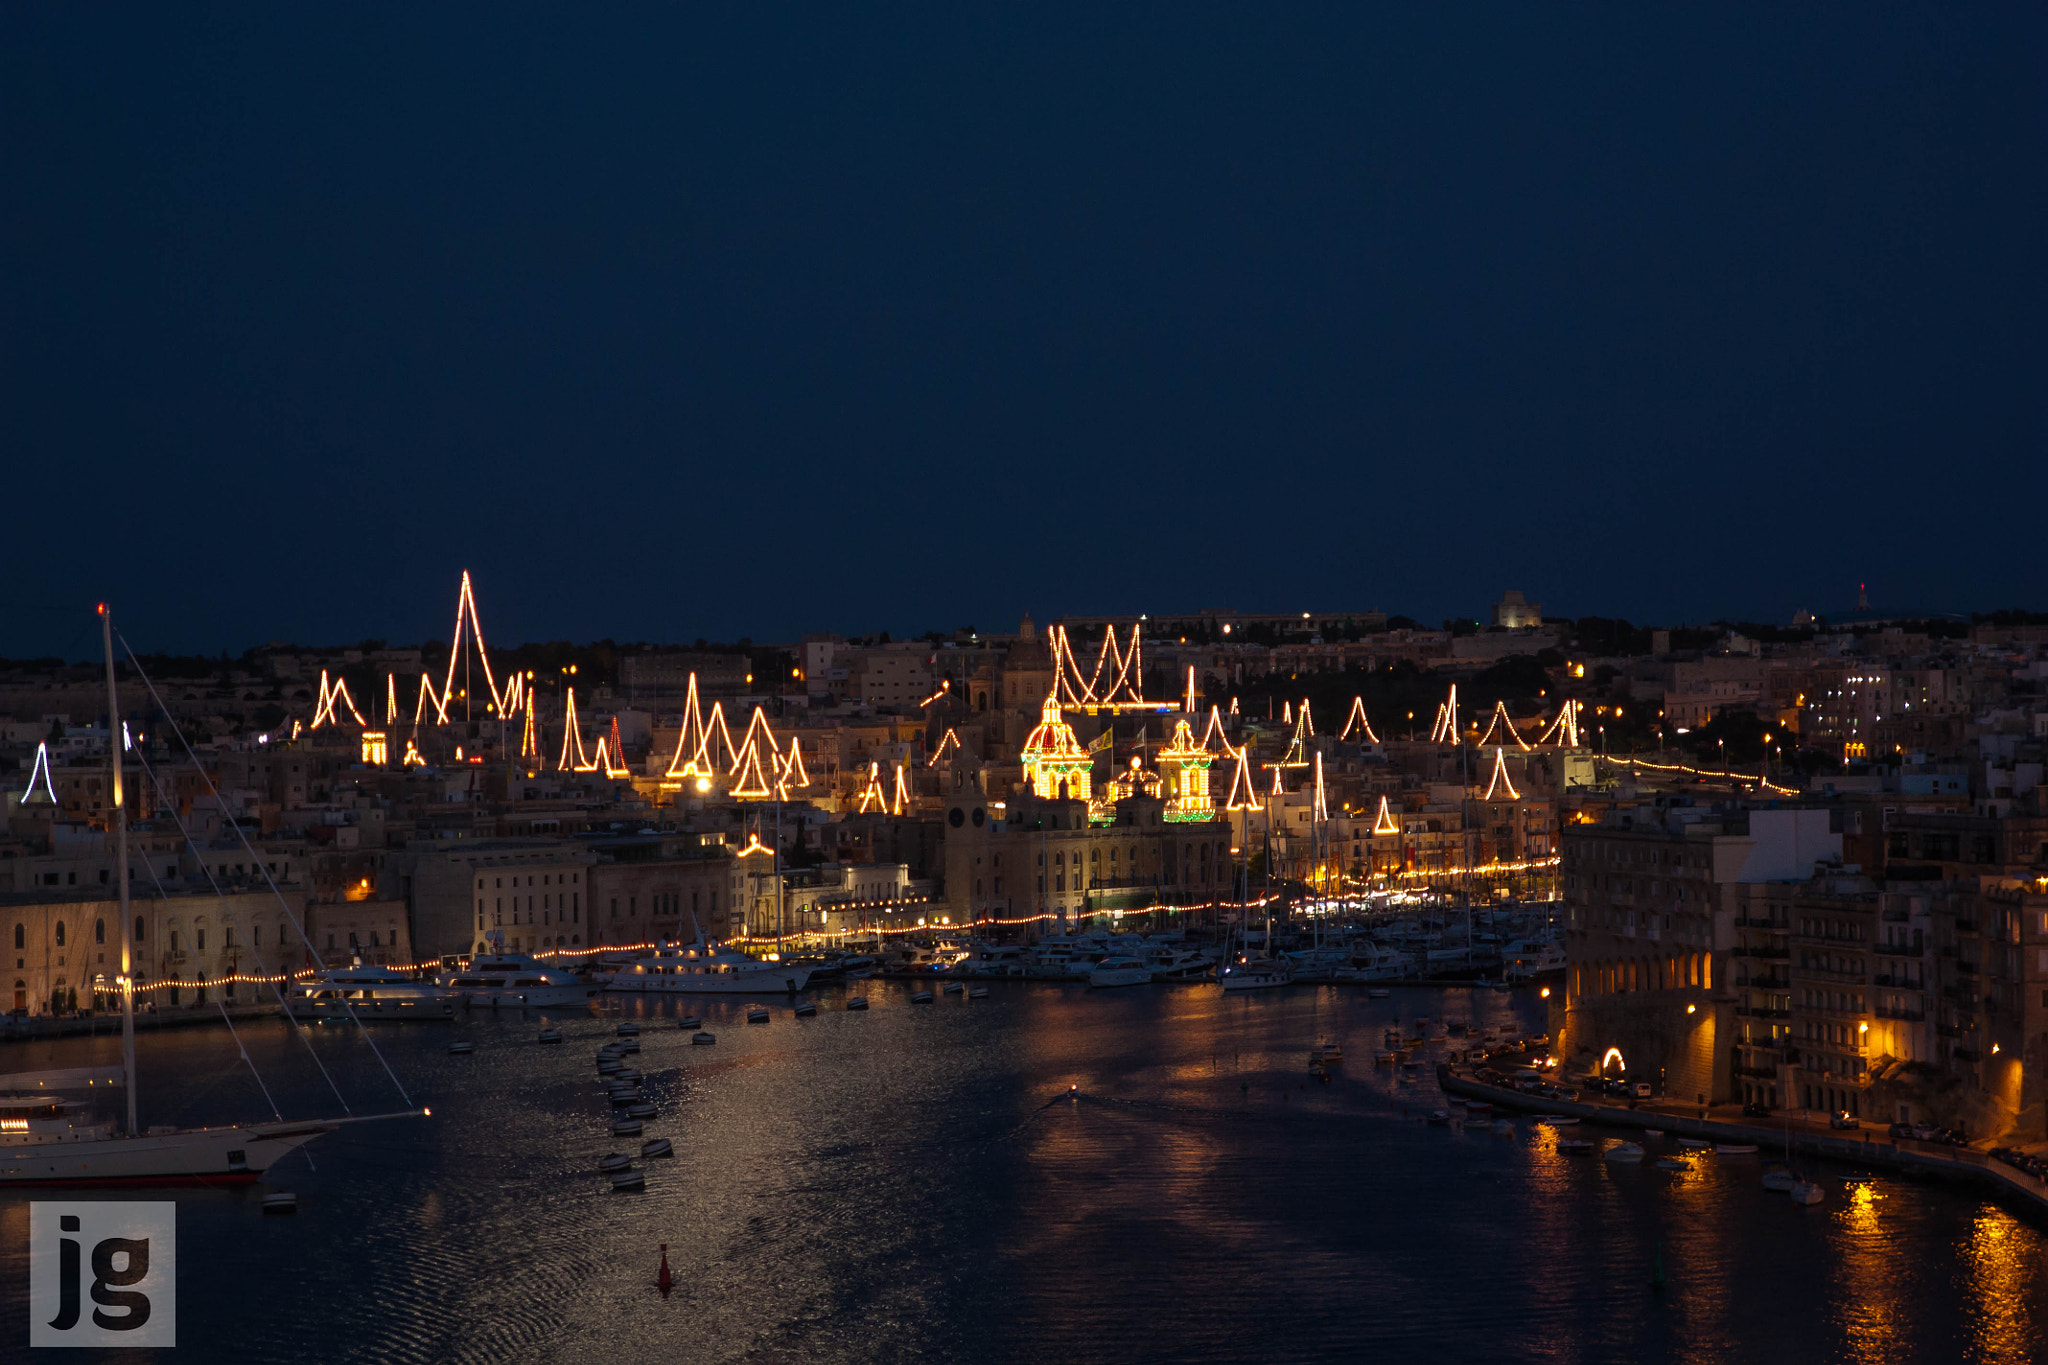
688,321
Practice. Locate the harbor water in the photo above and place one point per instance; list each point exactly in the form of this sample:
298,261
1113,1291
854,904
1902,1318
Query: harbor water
1047,1174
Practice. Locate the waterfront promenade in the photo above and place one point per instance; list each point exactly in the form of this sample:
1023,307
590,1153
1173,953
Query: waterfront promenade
1930,1159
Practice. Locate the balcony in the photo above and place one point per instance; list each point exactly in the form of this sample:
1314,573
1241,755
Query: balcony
1904,1016
1896,949
1779,925
1904,983
1759,1012
1769,954
1766,1073
1765,983
1823,974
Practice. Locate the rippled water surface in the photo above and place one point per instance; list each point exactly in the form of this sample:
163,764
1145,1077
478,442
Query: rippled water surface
913,1183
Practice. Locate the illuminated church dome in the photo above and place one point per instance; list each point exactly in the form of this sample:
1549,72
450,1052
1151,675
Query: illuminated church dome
1054,762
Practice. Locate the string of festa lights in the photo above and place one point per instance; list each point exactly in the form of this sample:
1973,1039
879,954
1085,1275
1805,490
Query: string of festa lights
949,744
1724,775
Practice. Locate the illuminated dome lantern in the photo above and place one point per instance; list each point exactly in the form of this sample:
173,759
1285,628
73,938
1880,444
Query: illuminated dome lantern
1135,780
1054,762
1185,766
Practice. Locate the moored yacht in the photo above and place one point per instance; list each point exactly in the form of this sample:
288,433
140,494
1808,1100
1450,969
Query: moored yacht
46,1139
499,980
1256,973
1119,970
372,993
706,968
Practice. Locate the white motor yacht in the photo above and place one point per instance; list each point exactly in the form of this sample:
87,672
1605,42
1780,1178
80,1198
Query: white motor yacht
499,980
1178,962
706,968
1119,970
372,993
1256,974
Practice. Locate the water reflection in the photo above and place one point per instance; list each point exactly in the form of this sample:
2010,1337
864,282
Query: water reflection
1870,1303
911,1183
2005,1272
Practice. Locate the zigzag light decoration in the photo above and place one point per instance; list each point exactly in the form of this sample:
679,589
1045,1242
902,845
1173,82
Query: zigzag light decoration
717,754
901,802
690,742
1501,720
949,743
40,770
1242,796
529,733
390,698
792,773
419,709
1445,731
465,610
872,794
1564,727
1500,777
1322,800
757,757
1386,823
1356,721
572,758
324,712
613,759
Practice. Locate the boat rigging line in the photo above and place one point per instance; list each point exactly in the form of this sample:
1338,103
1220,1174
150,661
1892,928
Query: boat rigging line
297,925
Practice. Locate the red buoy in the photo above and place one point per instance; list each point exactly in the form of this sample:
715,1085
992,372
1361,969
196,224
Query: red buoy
662,1281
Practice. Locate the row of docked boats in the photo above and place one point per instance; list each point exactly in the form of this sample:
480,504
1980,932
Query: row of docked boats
519,981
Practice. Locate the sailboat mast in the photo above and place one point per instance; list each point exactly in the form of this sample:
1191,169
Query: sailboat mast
117,734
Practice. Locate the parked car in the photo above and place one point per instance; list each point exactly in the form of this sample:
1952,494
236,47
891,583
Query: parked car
1641,1090
1842,1118
1756,1109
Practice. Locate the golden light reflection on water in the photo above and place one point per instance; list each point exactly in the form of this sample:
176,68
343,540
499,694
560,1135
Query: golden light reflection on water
2004,1311
1872,1308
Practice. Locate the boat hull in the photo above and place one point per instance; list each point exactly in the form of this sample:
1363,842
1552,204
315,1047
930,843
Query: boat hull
197,1156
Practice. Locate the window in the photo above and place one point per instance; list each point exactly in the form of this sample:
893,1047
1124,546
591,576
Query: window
198,939
138,928
60,933
20,937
